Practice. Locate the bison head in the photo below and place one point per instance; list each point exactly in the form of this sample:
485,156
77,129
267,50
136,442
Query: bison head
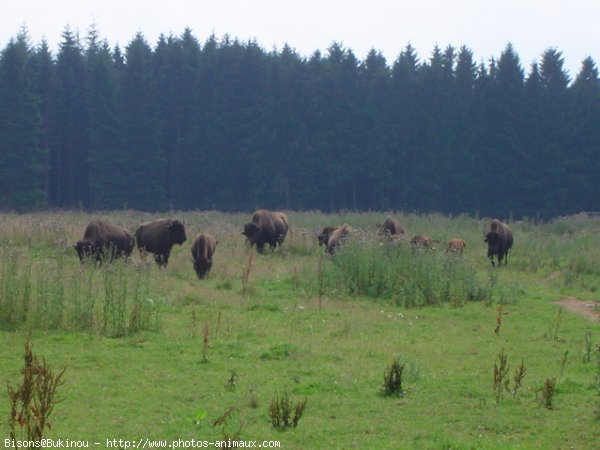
84,249
177,231
494,242
250,232
202,267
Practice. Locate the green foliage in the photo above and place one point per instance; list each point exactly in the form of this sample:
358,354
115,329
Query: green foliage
226,124
284,412
32,402
397,273
392,380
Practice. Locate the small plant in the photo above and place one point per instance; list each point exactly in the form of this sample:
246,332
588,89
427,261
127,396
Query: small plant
553,330
499,319
205,341
518,378
587,352
232,380
227,438
281,410
563,362
392,380
547,393
597,412
246,273
501,380
32,403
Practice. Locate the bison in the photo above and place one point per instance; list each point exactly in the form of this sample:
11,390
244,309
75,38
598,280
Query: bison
337,238
203,249
266,227
391,227
323,238
158,237
456,245
102,239
499,240
422,242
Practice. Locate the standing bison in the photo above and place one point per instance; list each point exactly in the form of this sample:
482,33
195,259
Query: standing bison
323,238
456,245
337,238
499,240
266,227
391,227
158,237
203,249
102,239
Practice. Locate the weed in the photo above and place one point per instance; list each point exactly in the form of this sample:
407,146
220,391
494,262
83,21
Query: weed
205,341
499,319
281,410
597,412
563,362
231,382
32,403
392,380
501,380
547,393
246,273
518,378
554,327
228,438
587,352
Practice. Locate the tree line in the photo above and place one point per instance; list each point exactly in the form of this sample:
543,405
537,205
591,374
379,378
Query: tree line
227,125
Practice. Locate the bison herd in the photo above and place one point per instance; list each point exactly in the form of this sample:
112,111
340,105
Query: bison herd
103,240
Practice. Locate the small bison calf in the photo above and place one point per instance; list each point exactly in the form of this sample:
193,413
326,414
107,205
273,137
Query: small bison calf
456,245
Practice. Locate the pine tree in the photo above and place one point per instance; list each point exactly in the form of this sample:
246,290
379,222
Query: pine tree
21,157
69,139
143,160
105,135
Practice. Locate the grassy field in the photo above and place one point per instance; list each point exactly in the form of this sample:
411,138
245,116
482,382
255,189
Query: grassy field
156,353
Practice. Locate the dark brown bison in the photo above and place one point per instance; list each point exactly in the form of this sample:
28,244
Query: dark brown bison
456,245
323,238
266,227
203,249
158,237
391,227
337,238
103,240
499,240
421,242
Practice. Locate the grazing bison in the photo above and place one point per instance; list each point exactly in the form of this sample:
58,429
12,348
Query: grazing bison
102,239
203,248
391,227
337,238
421,242
323,238
499,240
456,245
158,237
266,227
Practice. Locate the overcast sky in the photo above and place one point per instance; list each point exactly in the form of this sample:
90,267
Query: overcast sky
484,26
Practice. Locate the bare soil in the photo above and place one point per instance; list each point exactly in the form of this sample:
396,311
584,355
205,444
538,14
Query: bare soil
584,308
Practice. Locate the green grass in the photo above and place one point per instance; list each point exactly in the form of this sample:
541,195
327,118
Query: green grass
327,338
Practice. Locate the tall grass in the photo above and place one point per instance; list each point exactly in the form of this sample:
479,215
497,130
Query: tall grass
47,293
394,272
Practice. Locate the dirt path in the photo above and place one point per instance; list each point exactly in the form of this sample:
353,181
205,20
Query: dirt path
584,308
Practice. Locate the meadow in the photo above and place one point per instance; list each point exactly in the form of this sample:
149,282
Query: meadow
489,359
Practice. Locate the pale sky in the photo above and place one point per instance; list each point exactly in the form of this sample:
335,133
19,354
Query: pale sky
484,26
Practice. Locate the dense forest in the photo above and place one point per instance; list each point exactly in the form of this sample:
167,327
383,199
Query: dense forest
227,125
